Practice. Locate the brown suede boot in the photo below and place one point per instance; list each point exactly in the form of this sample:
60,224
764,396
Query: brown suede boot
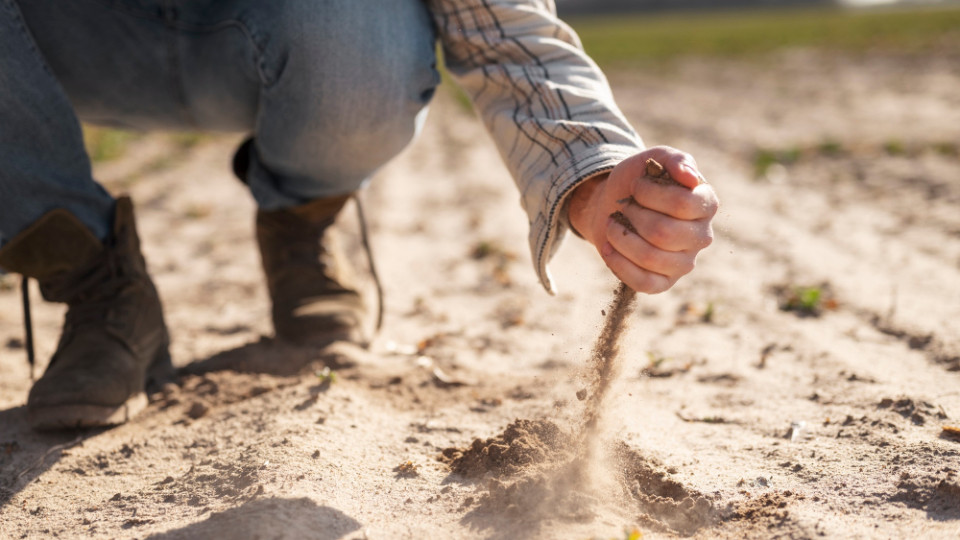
114,335
315,299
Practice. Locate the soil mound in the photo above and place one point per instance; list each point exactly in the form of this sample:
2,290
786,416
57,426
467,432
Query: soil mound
677,508
536,469
522,444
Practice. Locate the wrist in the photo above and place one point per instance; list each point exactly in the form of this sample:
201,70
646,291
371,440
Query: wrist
582,205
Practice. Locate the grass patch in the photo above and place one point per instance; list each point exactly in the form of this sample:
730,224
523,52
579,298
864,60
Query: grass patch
625,38
764,158
949,149
106,144
894,147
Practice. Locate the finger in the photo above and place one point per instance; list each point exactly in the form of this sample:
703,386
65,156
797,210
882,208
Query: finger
669,233
676,201
681,165
636,278
641,253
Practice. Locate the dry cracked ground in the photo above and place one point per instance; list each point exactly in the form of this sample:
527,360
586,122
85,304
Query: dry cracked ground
797,385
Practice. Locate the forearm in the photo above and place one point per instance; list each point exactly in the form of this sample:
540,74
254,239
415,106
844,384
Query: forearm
546,104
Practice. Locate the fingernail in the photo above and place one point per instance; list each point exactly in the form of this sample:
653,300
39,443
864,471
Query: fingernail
607,249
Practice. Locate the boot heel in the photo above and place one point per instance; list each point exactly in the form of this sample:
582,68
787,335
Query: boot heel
161,371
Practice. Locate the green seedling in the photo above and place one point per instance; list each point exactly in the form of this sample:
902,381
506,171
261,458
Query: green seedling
106,144
768,157
807,301
501,258
709,313
655,360
830,148
948,149
326,375
188,139
894,147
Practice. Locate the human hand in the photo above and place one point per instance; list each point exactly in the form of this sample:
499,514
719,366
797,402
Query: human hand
672,222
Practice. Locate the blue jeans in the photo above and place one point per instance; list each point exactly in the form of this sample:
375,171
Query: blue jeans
329,89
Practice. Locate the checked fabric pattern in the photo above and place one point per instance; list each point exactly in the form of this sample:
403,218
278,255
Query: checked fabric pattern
545,102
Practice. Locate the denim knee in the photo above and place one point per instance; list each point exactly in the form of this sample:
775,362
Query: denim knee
346,85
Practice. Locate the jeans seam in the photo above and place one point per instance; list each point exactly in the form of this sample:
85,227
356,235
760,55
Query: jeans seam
25,32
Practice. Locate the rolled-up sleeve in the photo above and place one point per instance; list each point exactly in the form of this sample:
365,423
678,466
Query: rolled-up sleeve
546,104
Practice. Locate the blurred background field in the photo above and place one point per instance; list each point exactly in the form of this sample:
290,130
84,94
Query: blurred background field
615,40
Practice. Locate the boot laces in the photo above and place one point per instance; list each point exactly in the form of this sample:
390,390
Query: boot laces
89,296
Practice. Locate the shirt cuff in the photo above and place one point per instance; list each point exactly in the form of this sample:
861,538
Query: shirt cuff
546,237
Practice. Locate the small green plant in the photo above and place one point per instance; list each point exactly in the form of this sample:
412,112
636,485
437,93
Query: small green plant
894,147
185,140
806,301
105,144
483,249
655,360
764,158
948,149
326,375
500,258
830,148
709,313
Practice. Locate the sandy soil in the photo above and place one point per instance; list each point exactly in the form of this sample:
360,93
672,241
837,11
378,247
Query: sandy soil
733,418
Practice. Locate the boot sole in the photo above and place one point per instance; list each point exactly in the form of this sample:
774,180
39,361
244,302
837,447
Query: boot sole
85,416
88,416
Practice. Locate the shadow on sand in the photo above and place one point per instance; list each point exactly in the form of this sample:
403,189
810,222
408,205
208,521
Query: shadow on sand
270,518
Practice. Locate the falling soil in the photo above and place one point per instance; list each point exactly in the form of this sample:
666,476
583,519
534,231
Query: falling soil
535,468
603,360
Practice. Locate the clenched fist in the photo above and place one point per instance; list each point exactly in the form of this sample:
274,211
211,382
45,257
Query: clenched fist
672,222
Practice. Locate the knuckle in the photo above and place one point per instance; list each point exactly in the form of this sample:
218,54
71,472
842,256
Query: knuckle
705,239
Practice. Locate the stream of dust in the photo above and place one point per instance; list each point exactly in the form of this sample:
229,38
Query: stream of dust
605,358
536,470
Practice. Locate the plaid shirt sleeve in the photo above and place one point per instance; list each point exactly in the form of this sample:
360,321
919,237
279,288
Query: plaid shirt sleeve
546,104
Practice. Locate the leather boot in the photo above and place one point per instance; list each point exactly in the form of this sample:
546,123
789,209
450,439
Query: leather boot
314,296
114,335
